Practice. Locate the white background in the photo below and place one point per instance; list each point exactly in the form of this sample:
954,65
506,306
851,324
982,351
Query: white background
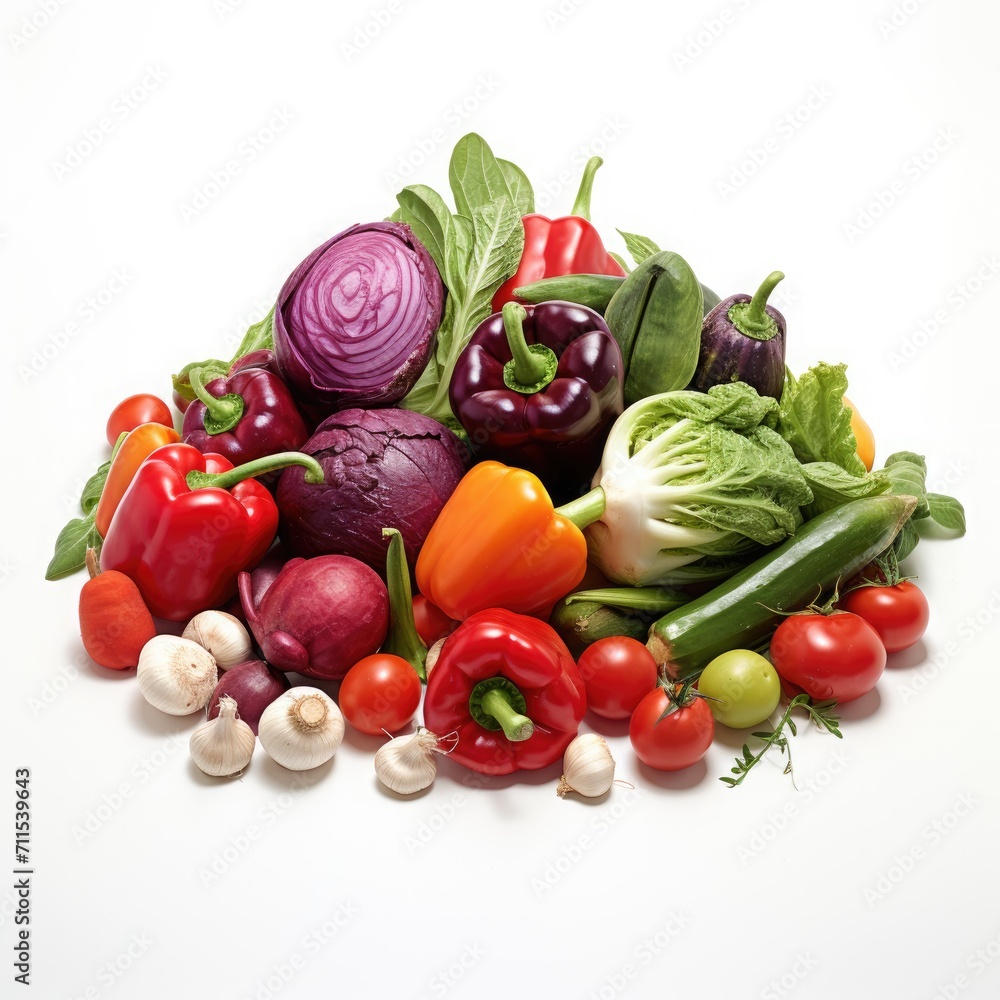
878,876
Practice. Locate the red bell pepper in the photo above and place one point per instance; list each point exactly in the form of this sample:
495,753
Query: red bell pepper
508,689
555,247
190,523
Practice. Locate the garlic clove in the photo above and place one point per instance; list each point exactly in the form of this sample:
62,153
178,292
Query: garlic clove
222,634
406,763
588,767
176,675
301,729
224,745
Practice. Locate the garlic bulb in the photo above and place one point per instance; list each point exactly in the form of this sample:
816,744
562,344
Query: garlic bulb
406,763
222,634
301,729
176,675
224,745
588,767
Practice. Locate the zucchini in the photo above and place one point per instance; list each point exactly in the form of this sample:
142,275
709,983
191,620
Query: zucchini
746,609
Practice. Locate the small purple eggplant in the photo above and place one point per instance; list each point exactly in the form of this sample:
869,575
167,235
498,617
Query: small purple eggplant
743,340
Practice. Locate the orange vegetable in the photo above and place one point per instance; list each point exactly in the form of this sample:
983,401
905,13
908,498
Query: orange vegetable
138,445
863,435
499,543
114,621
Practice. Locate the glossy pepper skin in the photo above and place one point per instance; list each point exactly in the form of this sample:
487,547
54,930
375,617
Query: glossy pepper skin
184,548
246,415
554,247
529,668
554,424
499,543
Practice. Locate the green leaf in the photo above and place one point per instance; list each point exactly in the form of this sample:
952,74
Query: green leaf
814,420
425,212
520,187
70,553
93,488
476,177
259,337
832,486
908,473
946,511
639,247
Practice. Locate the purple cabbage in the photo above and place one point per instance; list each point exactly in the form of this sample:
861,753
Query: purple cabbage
386,468
319,616
354,324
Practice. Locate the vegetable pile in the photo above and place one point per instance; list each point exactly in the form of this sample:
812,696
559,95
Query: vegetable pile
477,469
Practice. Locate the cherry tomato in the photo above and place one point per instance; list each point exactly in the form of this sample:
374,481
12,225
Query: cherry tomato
744,687
837,656
674,741
381,691
431,622
863,435
618,672
898,613
140,409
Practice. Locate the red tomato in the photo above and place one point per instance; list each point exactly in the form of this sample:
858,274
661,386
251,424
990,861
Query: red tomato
899,613
431,622
140,409
675,741
618,672
837,656
380,692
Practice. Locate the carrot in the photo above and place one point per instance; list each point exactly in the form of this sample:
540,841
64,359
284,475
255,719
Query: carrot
114,621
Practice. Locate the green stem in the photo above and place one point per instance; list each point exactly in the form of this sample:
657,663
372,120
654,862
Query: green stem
496,703
402,639
581,207
197,480
656,599
586,509
532,368
222,413
751,318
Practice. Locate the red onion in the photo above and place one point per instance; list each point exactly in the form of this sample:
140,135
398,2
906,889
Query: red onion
253,685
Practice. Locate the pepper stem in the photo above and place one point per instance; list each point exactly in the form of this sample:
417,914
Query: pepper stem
581,207
93,566
751,318
222,413
197,480
496,703
586,509
403,639
531,368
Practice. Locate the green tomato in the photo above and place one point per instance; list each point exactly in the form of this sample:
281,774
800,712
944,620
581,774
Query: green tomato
745,685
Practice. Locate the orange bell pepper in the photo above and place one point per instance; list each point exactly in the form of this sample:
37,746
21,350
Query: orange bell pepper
499,543
136,447
863,435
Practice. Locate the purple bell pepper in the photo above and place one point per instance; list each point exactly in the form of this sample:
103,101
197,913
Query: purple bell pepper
537,387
